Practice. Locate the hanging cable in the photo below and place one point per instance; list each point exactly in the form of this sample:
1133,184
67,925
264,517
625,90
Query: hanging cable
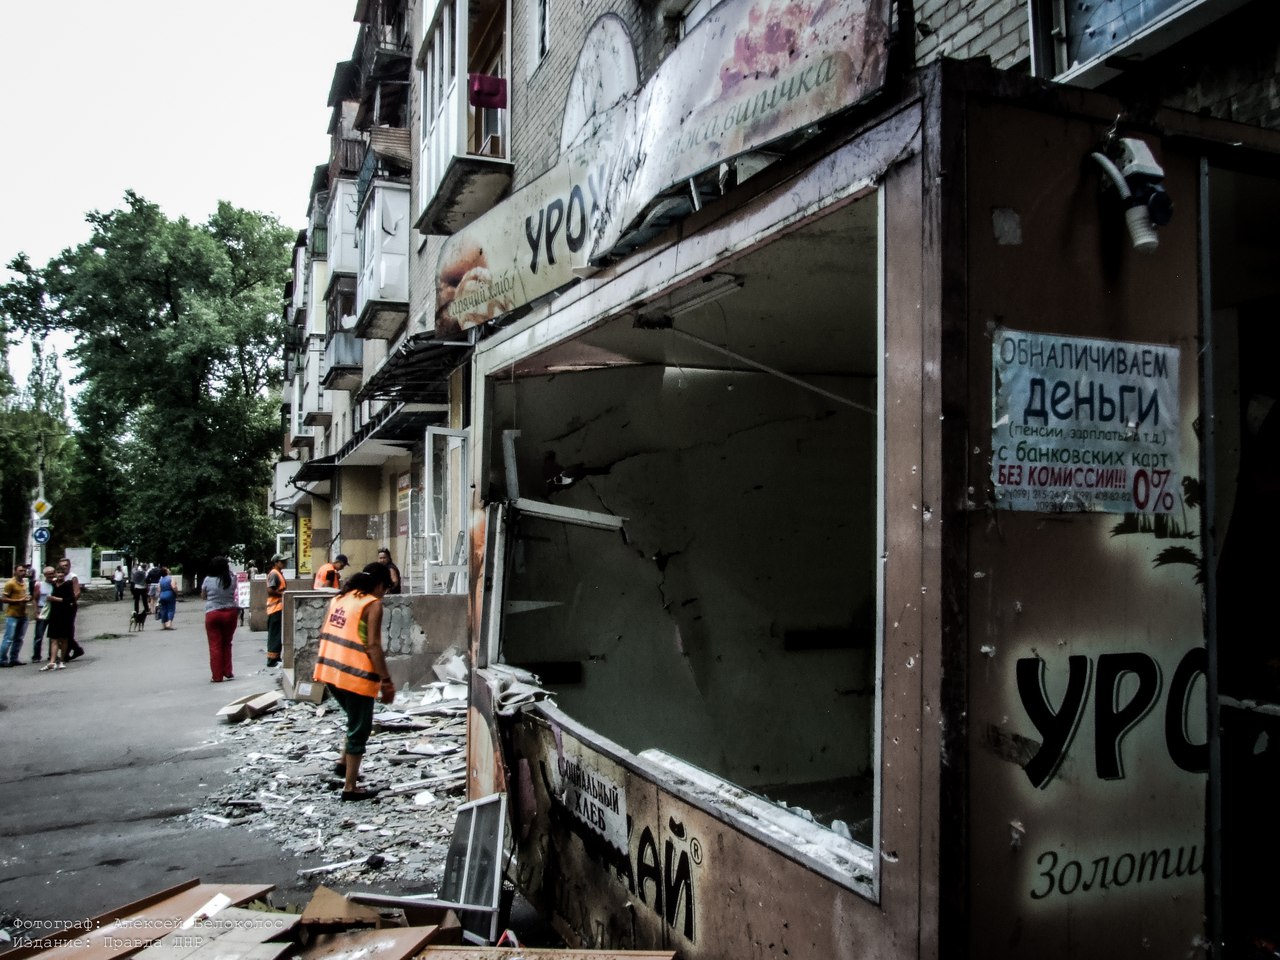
774,371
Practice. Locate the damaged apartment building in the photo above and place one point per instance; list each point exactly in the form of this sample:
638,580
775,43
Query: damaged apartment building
855,415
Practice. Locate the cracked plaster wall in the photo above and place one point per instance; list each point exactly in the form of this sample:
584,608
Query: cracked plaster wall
750,507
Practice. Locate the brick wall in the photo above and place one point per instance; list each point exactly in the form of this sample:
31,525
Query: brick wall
539,89
1230,70
973,28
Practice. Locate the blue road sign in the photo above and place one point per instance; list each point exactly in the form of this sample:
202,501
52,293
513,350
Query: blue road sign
41,535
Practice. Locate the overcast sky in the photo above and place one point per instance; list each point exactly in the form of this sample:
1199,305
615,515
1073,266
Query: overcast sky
184,103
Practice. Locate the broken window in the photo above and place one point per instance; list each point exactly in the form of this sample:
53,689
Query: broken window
446,518
729,619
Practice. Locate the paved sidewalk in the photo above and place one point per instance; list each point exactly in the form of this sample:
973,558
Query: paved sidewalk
99,757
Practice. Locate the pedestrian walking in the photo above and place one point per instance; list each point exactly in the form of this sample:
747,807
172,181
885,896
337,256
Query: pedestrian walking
351,662
276,586
119,578
43,603
17,597
220,612
138,585
64,600
74,651
167,597
154,574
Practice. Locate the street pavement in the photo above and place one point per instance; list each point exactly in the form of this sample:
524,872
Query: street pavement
100,758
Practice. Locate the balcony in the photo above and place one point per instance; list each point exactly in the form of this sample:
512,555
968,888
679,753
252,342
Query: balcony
343,255
343,366
303,438
464,167
382,287
320,415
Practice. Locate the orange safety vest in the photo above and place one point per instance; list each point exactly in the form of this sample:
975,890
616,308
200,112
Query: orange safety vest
327,576
344,659
275,604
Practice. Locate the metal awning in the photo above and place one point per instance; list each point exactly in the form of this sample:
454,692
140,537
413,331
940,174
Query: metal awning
316,469
393,432
418,372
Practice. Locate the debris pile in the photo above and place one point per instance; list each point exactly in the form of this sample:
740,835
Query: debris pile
284,783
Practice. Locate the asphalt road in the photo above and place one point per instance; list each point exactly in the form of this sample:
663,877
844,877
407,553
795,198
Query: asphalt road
100,757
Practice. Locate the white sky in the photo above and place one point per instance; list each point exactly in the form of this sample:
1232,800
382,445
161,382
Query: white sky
186,103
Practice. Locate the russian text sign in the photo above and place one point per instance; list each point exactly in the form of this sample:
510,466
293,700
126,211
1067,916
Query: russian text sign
1080,424
750,74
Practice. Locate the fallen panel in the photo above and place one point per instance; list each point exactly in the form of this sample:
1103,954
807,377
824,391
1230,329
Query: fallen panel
392,943
330,906
548,953
230,934
127,930
263,703
236,710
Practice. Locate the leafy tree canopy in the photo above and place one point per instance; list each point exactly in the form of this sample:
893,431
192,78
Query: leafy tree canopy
177,334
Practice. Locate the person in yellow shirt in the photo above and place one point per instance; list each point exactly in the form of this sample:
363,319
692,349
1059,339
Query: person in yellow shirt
351,662
17,595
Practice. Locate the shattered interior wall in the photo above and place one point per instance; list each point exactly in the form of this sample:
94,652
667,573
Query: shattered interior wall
731,623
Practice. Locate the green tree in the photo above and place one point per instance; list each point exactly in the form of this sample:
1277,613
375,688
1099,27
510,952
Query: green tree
177,334
35,441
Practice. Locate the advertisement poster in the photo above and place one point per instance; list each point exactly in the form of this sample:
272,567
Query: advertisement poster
1080,424
303,559
403,487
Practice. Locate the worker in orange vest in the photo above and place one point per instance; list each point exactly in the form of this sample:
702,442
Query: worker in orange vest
276,586
351,662
327,577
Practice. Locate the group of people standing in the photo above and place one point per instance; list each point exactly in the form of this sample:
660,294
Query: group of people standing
155,592
52,601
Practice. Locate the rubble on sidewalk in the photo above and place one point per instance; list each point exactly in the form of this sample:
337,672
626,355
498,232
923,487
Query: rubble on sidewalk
204,921
284,783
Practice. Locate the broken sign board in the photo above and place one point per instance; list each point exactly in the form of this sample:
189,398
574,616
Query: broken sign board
590,788
1081,424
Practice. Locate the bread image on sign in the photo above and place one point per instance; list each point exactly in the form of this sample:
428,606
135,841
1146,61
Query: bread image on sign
466,292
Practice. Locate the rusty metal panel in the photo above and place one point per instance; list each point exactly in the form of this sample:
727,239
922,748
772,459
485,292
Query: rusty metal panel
904,776
1085,650
486,773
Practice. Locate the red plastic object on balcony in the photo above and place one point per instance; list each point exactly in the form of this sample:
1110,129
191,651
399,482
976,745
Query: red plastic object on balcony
486,91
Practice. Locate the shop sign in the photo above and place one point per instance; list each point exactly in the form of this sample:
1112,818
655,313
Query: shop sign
303,559
1081,424
749,74
591,797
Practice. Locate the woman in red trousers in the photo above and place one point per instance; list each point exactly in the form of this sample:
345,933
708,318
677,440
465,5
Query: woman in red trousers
220,615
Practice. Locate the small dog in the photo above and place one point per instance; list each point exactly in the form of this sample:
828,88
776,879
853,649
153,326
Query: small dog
138,621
